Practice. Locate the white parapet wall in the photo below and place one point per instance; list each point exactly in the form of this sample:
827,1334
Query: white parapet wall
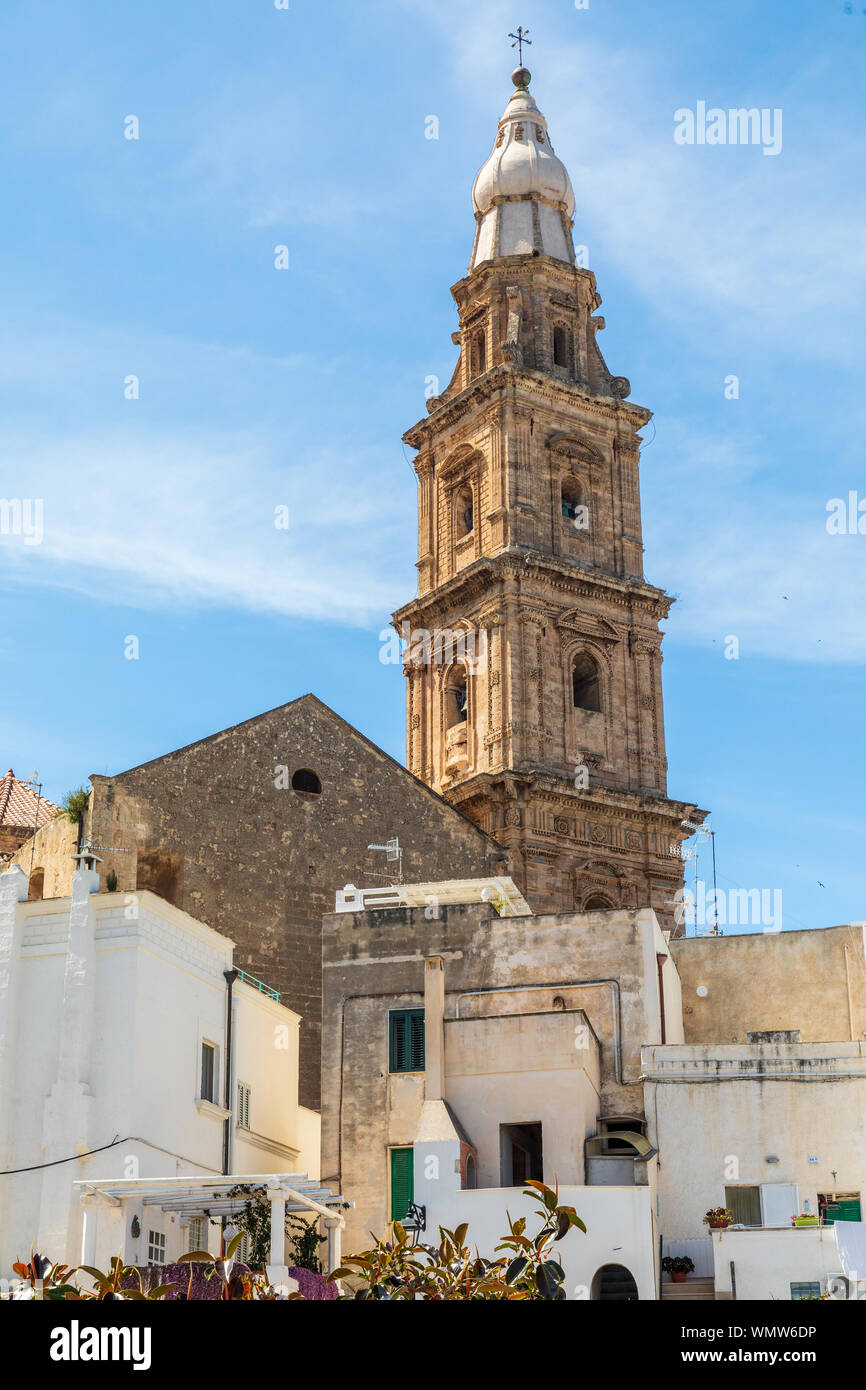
767,1263
618,1220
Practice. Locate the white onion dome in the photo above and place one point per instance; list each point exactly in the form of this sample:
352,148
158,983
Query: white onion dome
523,171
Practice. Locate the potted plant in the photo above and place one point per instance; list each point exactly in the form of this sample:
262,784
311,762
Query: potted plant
678,1266
805,1219
717,1218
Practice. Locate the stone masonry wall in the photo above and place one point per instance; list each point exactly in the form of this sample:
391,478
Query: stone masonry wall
207,828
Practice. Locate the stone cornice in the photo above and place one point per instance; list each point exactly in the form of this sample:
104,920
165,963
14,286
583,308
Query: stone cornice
517,268
559,575
649,809
547,389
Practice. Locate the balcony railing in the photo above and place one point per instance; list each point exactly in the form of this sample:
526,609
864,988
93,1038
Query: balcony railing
259,986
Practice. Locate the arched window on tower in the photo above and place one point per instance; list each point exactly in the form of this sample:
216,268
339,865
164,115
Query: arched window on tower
586,683
464,513
574,509
456,698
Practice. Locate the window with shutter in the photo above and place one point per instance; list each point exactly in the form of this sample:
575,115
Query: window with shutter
208,1072
402,1182
243,1110
406,1046
744,1204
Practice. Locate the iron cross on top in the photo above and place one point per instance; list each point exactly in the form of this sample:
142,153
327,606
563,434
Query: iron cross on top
520,38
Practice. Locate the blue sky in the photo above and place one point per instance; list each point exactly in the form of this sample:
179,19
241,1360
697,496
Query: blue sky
261,388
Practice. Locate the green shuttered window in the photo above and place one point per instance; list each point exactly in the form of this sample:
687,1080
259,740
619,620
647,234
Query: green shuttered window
402,1182
406,1047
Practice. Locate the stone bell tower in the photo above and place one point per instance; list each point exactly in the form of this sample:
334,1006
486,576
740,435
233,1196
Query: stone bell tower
534,692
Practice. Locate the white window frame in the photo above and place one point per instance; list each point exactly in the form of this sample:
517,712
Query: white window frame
197,1234
212,1099
156,1247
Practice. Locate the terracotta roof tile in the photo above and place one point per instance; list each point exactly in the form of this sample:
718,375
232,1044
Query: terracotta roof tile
19,805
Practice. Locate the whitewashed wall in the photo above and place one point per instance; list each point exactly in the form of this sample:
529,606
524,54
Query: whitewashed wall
766,1263
104,1002
618,1222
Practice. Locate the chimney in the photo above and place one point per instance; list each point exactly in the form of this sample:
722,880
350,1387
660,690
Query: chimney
85,880
434,1027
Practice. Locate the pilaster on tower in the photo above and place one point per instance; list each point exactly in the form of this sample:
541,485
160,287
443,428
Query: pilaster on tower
535,704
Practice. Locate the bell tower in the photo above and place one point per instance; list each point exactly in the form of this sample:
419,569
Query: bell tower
533,661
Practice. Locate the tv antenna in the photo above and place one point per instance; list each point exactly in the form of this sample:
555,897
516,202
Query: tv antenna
393,855
703,833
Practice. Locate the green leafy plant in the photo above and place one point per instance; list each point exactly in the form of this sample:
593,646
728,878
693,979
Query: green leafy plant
55,1281
677,1264
110,1287
718,1216
47,1280
305,1241
111,882
255,1221
239,1283
395,1269
75,803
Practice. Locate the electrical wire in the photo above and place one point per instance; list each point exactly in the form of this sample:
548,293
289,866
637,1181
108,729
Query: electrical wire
8,1172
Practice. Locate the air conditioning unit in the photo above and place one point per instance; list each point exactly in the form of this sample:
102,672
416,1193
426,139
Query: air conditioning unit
841,1288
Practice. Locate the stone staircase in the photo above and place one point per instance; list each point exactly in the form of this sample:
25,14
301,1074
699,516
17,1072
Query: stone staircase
691,1290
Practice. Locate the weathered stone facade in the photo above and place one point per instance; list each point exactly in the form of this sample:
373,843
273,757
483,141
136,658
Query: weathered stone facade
530,557
602,969
215,829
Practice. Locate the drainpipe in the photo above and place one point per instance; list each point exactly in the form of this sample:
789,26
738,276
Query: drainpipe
850,1000
661,957
229,976
434,1027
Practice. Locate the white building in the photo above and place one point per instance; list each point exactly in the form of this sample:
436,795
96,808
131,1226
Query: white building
113,1039
470,1044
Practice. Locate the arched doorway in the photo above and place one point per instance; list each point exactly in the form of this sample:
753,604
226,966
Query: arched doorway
614,1284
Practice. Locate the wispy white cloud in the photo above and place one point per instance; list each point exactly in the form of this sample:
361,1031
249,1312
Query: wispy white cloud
172,520
761,257
731,247
747,559
709,229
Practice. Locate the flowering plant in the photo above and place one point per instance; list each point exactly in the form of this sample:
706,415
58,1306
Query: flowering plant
718,1216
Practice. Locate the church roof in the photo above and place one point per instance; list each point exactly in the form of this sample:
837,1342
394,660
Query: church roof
324,712
20,806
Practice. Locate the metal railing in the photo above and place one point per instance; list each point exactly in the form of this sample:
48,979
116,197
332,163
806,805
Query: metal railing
258,985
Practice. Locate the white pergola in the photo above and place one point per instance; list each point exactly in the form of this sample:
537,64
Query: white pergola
190,1197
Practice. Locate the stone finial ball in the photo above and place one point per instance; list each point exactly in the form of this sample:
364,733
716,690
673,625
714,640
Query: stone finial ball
521,77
